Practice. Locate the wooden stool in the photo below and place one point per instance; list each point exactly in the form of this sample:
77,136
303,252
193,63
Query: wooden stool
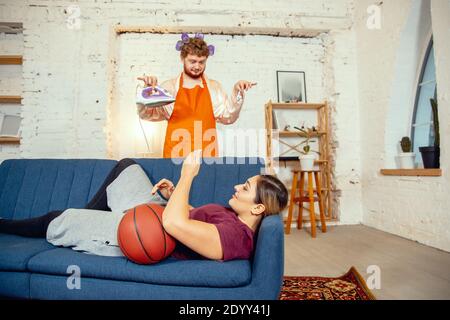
308,198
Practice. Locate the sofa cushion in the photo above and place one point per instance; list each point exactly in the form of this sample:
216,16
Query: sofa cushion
14,284
32,187
206,273
15,251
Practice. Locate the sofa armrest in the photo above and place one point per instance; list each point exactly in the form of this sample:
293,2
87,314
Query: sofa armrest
268,260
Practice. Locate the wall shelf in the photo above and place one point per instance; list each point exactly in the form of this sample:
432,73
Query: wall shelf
9,140
412,172
296,133
11,99
11,59
8,123
312,106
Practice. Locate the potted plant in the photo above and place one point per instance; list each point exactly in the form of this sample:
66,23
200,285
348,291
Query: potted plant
307,157
431,154
406,157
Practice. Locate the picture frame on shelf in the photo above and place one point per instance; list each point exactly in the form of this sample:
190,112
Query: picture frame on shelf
291,86
9,125
281,120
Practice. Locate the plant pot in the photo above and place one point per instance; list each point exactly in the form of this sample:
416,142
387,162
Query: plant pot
430,156
406,160
307,162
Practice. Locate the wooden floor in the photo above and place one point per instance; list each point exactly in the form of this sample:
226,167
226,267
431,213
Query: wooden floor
408,270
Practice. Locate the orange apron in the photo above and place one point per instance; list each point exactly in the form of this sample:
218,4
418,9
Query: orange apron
192,124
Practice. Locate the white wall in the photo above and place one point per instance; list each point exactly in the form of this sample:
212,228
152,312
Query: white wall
74,79
411,207
254,58
414,39
68,71
71,74
10,85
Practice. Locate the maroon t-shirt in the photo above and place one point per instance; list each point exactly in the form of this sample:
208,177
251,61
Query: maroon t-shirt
235,236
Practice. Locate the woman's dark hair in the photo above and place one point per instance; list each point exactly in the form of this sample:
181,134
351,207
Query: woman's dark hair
195,46
272,193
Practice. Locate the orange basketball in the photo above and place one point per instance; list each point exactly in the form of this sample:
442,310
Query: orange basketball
141,235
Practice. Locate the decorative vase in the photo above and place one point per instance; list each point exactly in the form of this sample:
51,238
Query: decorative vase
406,160
430,156
307,162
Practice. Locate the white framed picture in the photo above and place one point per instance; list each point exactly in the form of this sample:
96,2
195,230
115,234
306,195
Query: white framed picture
9,125
291,86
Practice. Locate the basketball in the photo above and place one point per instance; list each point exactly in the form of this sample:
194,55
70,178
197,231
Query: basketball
141,235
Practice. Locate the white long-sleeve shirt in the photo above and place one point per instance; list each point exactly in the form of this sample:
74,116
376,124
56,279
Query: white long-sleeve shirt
226,109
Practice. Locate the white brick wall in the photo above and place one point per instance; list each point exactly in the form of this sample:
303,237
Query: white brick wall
80,60
10,84
411,207
254,58
69,73
71,89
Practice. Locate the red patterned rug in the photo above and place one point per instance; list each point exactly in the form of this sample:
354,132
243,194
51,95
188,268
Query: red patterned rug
350,286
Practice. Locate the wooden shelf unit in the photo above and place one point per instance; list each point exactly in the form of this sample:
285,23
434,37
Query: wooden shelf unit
10,60
323,142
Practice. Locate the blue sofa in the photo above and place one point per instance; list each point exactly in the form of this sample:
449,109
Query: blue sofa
32,268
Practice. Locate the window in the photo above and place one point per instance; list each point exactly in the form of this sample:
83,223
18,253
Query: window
422,125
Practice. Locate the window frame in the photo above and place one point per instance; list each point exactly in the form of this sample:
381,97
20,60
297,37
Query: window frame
418,89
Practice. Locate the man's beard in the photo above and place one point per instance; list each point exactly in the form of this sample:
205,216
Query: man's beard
193,76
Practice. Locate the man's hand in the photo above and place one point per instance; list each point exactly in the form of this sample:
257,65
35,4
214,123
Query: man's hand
165,186
147,113
191,165
149,81
243,85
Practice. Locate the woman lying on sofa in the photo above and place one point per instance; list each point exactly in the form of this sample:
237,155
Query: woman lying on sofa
210,231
